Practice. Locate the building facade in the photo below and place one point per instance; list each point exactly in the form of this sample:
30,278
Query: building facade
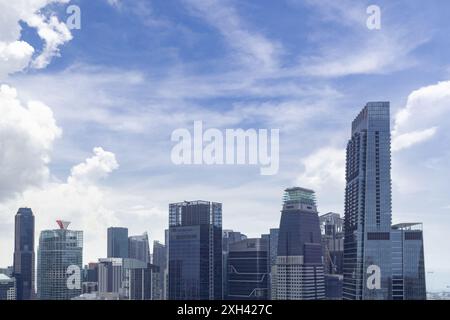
160,260
331,226
117,242
248,270
408,263
7,287
195,251
299,273
60,261
24,257
139,248
126,279
367,221
228,237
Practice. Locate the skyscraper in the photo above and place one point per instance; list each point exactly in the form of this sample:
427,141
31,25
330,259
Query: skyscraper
228,237
117,242
60,256
248,270
24,254
195,250
331,225
299,268
367,221
408,265
160,260
138,248
127,279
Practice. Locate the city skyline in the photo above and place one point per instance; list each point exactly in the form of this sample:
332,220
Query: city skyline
88,110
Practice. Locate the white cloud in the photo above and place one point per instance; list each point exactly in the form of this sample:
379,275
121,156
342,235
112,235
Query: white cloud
80,200
253,48
16,54
324,166
324,172
27,133
426,110
94,168
358,50
406,140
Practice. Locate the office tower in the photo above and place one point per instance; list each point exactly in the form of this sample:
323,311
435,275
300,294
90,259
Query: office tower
90,278
228,237
160,260
126,279
408,265
273,249
248,270
7,287
331,226
60,261
367,221
110,276
24,254
117,242
138,248
195,250
299,268
333,286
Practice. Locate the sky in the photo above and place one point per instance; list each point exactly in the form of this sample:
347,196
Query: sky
87,114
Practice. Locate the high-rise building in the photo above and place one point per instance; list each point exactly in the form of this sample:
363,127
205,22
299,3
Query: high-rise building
138,248
160,260
126,279
7,287
248,270
24,258
228,237
195,250
367,246
117,242
273,249
60,261
299,268
408,264
331,225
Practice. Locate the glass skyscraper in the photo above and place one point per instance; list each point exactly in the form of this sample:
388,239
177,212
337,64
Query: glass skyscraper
248,270
408,265
299,273
117,242
195,250
24,254
160,260
60,256
381,261
138,248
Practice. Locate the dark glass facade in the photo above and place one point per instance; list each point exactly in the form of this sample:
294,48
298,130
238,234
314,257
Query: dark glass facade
299,268
408,263
195,251
368,204
160,260
248,270
138,248
24,258
117,242
58,250
228,237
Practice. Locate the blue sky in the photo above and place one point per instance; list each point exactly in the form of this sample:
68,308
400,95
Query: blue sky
137,70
